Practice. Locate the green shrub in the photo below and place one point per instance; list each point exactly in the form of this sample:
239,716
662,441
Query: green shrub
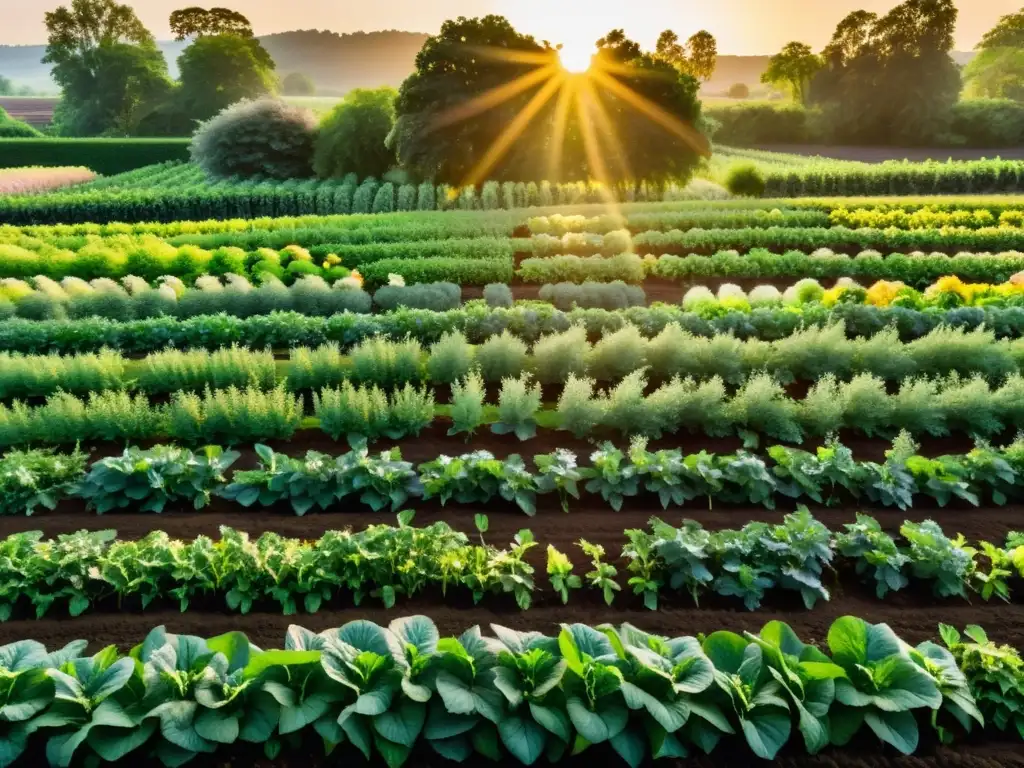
501,356
579,410
366,413
234,415
498,295
450,359
591,295
435,296
518,403
988,122
388,363
313,369
745,180
10,128
760,123
265,137
467,409
106,156
352,135
617,354
557,355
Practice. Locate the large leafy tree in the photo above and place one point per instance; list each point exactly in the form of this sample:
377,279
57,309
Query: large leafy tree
219,70
107,65
792,69
353,136
480,77
997,71
200,22
696,57
223,65
891,78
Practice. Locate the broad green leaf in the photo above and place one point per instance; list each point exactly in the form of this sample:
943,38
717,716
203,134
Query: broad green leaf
522,737
896,728
630,747
216,725
403,724
766,731
394,755
552,719
726,651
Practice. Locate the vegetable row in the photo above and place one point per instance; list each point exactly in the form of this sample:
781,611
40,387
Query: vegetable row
383,691
87,569
707,241
171,477
186,195
806,355
853,215
479,322
759,407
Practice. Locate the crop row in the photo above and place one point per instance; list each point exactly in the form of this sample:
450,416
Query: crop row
84,569
897,178
946,293
528,322
383,692
804,356
856,216
168,477
425,225
189,196
934,407
708,241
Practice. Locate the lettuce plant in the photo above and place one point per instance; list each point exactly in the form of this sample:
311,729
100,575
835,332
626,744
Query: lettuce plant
875,554
881,687
477,478
37,478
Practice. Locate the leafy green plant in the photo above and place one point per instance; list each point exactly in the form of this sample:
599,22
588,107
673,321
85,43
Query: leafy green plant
37,478
150,480
881,687
947,563
477,478
875,553
603,575
518,403
558,473
560,573
467,409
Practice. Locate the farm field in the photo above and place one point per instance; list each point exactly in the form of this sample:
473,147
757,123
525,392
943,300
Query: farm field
243,418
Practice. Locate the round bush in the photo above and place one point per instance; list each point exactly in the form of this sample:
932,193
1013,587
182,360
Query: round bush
745,180
266,137
15,129
352,136
738,91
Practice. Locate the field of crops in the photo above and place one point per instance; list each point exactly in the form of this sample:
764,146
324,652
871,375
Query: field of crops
550,480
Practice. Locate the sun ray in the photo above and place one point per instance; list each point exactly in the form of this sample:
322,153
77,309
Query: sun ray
561,122
492,98
667,121
514,130
612,137
540,58
592,149
618,68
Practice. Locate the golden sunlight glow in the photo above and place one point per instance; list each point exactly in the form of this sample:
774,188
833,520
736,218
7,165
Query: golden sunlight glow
576,57
578,81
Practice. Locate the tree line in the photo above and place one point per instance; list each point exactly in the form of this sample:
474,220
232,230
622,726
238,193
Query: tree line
891,79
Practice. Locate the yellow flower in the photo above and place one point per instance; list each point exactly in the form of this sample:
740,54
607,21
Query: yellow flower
333,259
831,296
947,284
882,293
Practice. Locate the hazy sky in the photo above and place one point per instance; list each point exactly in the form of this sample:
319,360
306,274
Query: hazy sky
741,26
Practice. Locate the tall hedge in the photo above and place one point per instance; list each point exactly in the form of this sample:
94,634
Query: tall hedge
106,156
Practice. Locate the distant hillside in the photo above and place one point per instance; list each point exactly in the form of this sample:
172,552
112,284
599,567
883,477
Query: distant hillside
339,63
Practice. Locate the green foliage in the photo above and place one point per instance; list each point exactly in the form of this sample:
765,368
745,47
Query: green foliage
367,413
745,180
477,478
150,480
352,136
518,404
37,478
221,69
263,137
467,409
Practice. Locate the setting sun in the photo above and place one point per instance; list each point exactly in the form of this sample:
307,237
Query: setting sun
576,57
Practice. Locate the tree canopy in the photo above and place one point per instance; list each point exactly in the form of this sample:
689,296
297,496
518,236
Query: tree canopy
353,137
487,102
696,57
997,71
792,69
298,84
107,64
219,70
200,22
890,78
